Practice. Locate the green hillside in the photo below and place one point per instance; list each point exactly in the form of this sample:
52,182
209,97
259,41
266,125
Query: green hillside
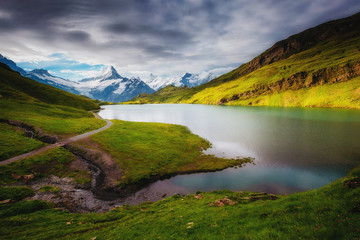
319,67
46,109
13,86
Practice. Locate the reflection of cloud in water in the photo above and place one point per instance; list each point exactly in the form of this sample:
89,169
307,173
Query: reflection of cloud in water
229,150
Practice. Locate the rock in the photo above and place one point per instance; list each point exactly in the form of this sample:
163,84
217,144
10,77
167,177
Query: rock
5,201
190,225
24,178
15,176
198,196
223,202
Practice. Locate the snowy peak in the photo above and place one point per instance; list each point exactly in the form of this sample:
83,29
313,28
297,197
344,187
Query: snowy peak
42,72
110,73
188,79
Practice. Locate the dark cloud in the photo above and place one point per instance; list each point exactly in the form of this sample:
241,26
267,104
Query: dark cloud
79,36
180,35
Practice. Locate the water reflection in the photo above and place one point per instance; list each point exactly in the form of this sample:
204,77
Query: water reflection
295,149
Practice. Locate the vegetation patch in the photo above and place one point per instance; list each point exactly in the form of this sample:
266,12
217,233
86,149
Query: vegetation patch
49,189
144,150
52,162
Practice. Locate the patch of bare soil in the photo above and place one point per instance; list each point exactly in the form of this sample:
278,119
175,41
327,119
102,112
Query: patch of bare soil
111,170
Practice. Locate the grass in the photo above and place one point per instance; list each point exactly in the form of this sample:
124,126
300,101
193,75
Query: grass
331,212
143,150
49,188
52,119
52,162
15,193
340,95
13,142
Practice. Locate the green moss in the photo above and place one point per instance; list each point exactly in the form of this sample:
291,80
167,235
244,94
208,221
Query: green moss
146,149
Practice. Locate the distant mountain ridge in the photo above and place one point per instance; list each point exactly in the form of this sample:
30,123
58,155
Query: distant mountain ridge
109,86
188,80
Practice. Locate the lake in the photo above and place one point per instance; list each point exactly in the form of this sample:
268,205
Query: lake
295,149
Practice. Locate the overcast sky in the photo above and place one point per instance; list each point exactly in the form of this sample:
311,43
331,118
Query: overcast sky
75,39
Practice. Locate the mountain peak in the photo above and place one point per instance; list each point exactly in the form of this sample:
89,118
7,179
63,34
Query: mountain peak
110,73
41,72
186,75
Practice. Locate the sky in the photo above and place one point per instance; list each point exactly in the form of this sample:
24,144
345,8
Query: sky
75,39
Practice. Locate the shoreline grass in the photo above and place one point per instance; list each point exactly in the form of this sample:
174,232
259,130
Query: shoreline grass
144,150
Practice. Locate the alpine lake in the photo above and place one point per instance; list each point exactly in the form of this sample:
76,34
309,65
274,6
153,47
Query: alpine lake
294,149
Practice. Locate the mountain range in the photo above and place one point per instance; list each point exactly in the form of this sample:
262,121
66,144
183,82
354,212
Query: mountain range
188,79
110,85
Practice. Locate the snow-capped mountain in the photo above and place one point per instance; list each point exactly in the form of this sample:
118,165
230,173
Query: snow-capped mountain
110,86
43,76
188,79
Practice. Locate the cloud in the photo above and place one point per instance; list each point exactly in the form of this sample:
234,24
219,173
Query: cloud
154,36
77,36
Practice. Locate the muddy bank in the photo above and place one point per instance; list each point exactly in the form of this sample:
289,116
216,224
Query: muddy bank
103,194
107,175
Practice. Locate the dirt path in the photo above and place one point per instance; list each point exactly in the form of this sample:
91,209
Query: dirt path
58,144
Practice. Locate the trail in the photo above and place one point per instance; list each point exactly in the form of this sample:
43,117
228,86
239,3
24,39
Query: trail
58,144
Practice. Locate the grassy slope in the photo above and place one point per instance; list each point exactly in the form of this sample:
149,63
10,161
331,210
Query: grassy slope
51,109
14,142
334,53
146,149
14,86
331,212
331,54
